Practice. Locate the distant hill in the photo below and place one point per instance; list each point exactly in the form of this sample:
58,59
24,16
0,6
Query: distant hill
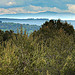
47,14
14,26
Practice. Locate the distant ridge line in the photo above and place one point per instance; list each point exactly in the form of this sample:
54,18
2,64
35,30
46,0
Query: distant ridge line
24,19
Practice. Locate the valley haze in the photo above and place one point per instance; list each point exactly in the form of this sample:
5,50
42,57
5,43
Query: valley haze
32,21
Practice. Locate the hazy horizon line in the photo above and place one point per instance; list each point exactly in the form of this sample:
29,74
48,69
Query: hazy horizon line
36,18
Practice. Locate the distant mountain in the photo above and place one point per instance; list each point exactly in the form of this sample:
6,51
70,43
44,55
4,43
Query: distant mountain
29,14
50,12
47,14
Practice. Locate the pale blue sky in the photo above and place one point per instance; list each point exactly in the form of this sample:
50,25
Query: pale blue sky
36,6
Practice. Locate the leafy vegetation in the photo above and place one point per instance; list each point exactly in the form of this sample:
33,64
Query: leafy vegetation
48,51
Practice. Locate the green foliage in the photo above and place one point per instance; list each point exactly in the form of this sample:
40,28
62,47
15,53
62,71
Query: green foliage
69,66
52,28
48,51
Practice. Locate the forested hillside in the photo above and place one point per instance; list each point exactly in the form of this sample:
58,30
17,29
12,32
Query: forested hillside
48,51
13,26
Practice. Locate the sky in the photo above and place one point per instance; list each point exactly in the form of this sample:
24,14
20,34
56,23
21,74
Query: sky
36,6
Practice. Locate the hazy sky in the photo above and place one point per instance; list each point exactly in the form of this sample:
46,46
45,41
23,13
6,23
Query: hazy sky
36,6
